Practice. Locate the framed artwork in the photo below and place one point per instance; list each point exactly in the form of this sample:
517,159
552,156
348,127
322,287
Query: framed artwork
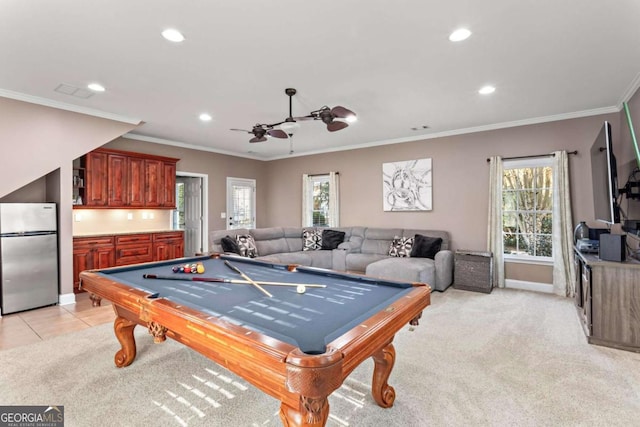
407,186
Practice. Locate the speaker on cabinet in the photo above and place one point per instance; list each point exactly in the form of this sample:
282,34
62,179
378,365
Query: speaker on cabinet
613,247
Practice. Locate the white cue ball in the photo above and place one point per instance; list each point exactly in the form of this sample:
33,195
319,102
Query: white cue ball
301,289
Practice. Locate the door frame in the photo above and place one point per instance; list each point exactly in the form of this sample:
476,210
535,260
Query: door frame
204,199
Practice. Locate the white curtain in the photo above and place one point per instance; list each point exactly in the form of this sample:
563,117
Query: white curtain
334,200
564,273
494,238
306,193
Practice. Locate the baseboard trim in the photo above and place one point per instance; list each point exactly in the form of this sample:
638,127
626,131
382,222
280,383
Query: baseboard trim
66,299
529,286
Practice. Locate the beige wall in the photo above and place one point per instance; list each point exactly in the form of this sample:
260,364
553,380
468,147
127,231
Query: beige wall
460,177
37,147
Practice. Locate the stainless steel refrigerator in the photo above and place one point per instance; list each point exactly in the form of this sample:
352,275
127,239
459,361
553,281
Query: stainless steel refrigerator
28,256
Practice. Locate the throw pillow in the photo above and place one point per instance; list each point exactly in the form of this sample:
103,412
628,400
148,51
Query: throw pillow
247,245
311,239
331,239
229,244
425,247
401,246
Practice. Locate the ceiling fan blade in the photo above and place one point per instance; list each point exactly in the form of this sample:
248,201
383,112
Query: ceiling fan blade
242,130
336,125
256,139
342,112
277,133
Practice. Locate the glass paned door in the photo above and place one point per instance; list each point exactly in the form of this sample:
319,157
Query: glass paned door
241,202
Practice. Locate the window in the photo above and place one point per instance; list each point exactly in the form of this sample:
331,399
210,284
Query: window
319,197
320,200
527,208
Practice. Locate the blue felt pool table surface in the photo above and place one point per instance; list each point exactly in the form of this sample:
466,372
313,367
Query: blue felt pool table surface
308,320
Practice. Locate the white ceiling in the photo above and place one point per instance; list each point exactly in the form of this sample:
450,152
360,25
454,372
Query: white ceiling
390,62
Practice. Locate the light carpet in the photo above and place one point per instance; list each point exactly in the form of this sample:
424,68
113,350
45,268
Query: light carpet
510,358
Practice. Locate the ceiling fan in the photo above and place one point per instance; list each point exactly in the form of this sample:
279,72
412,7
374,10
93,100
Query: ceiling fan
260,131
288,125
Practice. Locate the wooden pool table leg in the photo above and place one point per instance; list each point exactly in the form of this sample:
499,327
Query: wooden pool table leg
124,332
312,413
383,393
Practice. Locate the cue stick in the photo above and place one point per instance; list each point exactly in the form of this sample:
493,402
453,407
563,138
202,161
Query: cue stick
220,280
245,277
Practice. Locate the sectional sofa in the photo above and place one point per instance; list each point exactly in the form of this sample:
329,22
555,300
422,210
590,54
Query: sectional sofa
363,250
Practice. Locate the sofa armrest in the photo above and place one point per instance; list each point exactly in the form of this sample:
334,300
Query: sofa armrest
349,246
339,259
444,269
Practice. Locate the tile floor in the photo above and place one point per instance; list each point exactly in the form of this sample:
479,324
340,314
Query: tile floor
31,326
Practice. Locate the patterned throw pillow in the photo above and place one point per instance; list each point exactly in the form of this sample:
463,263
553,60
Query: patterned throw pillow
311,239
401,246
247,245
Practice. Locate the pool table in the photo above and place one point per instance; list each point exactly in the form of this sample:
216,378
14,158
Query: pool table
297,345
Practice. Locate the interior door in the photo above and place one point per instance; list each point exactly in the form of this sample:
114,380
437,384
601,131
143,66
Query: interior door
192,216
241,203
189,213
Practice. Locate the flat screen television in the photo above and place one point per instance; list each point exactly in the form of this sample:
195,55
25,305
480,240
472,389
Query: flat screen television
605,178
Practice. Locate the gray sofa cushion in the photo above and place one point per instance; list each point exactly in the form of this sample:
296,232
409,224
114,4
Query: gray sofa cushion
320,259
358,262
270,240
421,270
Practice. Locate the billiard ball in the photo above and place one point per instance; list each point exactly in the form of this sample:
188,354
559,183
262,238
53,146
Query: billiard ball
181,269
194,268
186,269
200,269
301,289
176,269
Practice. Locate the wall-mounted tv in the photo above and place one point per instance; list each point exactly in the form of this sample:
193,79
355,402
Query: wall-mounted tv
605,178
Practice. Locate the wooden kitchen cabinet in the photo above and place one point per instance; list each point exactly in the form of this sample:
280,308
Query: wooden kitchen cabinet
118,180
135,168
168,245
91,253
121,179
123,249
133,248
153,183
96,179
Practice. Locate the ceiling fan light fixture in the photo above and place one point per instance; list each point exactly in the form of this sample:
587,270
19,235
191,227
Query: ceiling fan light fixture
351,118
289,126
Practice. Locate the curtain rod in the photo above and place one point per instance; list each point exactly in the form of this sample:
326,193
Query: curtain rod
321,174
533,156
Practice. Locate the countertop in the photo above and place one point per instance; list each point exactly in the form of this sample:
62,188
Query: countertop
121,233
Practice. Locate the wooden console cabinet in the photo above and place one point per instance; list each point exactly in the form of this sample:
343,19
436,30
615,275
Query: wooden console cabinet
608,301
121,179
124,249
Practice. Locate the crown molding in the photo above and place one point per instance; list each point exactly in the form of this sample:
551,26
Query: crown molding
180,144
631,90
67,107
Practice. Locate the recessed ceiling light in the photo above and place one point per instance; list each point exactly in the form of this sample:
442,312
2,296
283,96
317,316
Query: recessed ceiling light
173,35
96,87
486,90
459,35
205,117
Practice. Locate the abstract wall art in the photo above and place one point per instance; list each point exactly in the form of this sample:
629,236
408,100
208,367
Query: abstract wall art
407,186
